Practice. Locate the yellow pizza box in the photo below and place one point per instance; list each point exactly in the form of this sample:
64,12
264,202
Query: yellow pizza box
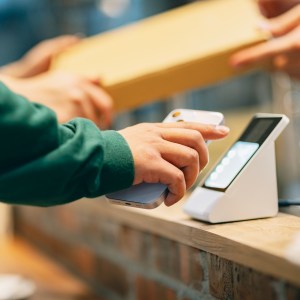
184,48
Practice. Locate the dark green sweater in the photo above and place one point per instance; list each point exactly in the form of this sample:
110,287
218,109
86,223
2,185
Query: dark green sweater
43,163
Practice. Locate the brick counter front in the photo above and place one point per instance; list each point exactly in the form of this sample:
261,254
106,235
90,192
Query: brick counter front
161,254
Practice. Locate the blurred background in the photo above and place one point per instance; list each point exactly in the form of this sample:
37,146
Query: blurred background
24,23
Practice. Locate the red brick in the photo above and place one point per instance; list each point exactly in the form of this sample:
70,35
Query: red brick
178,261
47,295
111,276
83,259
185,266
79,258
248,284
109,232
147,289
130,243
166,257
146,250
43,239
220,277
292,292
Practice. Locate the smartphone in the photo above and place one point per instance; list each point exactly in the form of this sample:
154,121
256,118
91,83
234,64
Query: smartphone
151,195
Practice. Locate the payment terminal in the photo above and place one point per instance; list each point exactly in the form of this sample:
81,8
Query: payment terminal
243,184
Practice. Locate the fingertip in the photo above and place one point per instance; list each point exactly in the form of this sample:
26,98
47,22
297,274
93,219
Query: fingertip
264,26
171,199
236,62
277,29
216,133
270,28
224,130
69,40
95,80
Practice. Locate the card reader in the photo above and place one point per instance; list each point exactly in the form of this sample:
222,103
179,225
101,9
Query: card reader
243,184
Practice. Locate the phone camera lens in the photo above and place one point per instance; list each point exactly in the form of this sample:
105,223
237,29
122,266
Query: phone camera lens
176,114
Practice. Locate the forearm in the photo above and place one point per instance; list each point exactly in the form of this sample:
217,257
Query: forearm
43,163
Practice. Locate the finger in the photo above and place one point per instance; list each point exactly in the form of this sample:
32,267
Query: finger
268,8
83,105
184,158
95,80
274,8
89,112
190,138
289,62
265,9
62,42
261,52
280,62
103,103
209,132
285,22
174,179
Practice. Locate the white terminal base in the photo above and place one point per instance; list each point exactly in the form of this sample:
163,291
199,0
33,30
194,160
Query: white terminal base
252,194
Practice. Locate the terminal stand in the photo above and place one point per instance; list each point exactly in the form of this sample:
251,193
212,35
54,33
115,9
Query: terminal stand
251,195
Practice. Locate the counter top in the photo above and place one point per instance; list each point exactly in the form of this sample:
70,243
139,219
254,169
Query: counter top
259,244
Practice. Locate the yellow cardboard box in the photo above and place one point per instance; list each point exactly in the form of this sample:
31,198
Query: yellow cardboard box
184,48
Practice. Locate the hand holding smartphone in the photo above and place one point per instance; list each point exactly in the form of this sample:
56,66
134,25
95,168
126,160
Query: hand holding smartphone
151,195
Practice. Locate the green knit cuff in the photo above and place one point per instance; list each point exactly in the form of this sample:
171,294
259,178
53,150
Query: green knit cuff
118,169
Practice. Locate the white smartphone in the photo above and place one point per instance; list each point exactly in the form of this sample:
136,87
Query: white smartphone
151,195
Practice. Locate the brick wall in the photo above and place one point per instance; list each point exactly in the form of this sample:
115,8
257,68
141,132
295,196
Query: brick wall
121,262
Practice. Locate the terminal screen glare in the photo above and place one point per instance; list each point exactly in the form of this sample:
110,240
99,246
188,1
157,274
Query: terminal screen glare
231,164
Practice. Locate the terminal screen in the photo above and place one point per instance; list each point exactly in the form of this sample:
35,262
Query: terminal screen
231,164
240,153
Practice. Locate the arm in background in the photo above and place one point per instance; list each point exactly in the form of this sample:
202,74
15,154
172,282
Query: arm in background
44,163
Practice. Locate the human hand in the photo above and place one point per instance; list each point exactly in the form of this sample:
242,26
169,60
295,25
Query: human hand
283,51
170,153
69,95
38,59
274,8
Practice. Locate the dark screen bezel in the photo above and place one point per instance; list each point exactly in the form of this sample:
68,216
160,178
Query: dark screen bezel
243,138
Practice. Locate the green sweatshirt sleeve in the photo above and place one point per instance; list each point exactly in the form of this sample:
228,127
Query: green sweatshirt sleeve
43,163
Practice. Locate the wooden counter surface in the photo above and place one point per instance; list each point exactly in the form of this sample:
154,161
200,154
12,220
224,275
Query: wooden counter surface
118,247
258,244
